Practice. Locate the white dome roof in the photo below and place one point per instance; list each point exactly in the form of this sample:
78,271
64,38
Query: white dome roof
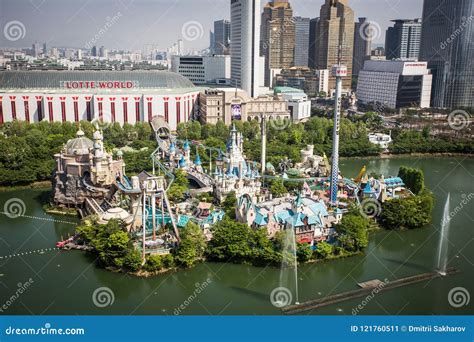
79,146
117,214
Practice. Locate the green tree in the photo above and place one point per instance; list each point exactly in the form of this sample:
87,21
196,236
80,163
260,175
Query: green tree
303,252
323,250
179,186
413,178
277,188
230,240
353,232
410,212
154,263
168,261
133,260
229,204
110,241
192,246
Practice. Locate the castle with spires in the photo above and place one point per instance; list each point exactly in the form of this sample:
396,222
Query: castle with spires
84,169
234,173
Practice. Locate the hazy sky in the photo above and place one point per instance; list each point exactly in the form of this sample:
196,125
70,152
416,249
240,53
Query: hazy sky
74,23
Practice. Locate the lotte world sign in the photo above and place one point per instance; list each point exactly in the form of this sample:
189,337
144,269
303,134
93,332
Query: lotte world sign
99,84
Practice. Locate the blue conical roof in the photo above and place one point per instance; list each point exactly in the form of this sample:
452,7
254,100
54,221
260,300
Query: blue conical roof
368,188
182,162
197,161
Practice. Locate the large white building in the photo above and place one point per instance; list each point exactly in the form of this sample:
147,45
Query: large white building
395,84
203,69
245,45
298,103
299,106
109,96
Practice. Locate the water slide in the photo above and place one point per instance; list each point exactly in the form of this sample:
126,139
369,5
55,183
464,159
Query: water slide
125,186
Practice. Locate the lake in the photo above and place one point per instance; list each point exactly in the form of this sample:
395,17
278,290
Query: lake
63,282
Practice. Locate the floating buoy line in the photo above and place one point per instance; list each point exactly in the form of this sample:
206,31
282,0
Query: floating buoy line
37,251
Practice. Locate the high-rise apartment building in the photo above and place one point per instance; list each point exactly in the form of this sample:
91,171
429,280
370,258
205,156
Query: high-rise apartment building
277,38
402,41
363,35
448,47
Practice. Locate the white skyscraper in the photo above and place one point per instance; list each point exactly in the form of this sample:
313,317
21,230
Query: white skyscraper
245,44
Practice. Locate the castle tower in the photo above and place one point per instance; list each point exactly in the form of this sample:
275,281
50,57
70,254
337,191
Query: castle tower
98,150
187,151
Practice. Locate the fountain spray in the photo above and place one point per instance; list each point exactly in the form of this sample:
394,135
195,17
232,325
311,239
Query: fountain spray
443,239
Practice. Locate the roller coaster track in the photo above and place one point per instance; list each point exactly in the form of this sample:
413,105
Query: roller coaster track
347,181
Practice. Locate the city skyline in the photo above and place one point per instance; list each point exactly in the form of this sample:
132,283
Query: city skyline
182,19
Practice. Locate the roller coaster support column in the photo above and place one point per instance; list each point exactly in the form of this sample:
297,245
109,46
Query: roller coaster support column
153,215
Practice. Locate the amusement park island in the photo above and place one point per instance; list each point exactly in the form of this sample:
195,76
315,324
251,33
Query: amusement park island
161,204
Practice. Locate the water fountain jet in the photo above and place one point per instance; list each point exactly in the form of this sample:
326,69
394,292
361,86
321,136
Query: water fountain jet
290,259
443,240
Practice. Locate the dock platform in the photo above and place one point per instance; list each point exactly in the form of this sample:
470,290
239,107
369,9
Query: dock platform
366,289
